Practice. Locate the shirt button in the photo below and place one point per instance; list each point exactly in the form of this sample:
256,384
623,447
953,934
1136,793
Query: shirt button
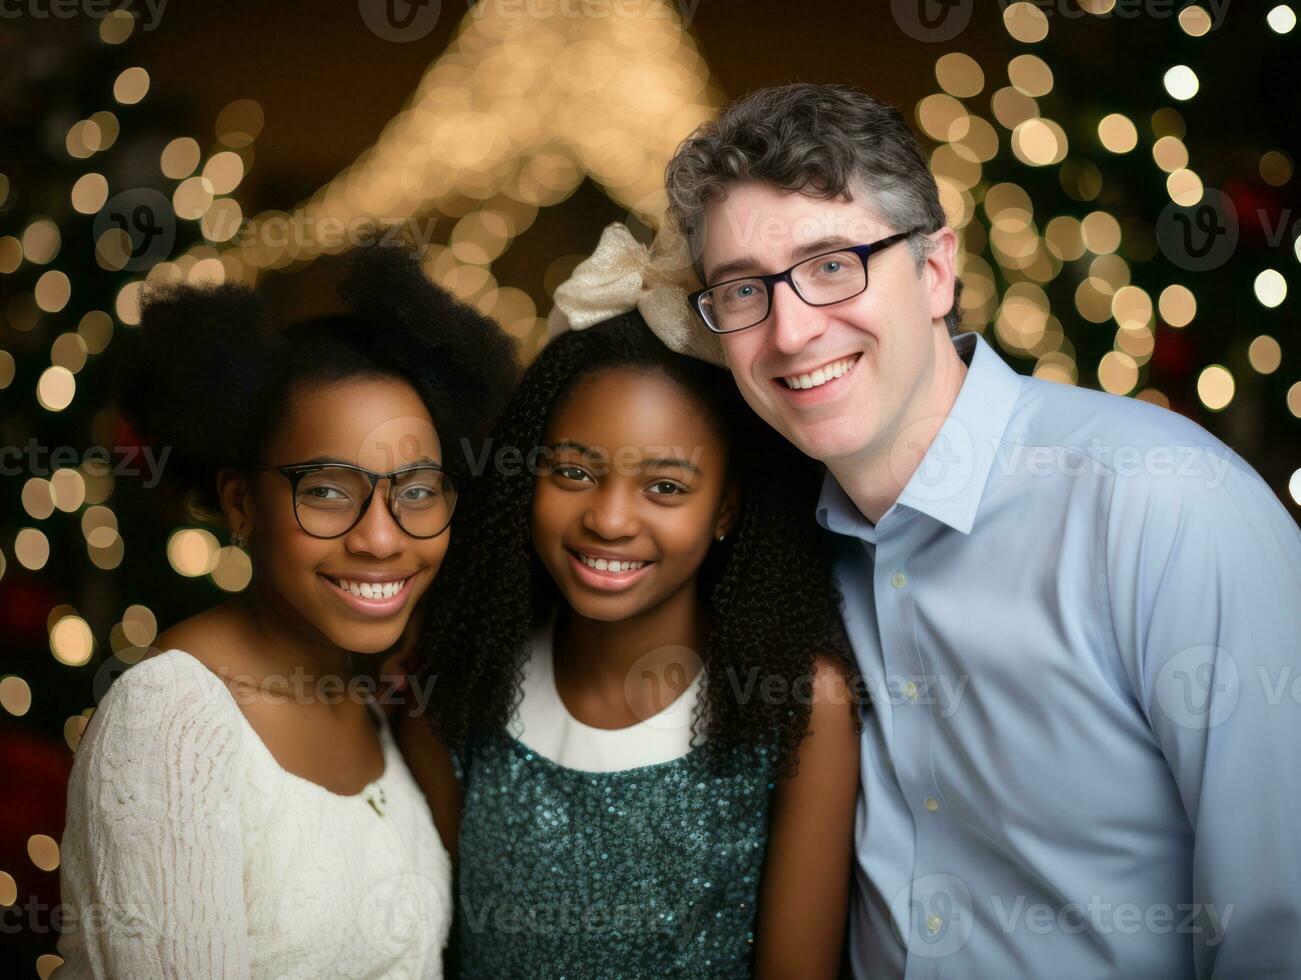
898,580
932,804
910,691
934,922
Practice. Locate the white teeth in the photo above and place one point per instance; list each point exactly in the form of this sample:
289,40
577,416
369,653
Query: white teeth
610,565
821,376
370,590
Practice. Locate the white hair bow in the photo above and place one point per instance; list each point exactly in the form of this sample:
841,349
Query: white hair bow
624,275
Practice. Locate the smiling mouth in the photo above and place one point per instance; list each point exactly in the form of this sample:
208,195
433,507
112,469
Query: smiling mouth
375,591
609,565
820,376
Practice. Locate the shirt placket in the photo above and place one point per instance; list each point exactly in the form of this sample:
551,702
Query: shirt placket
933,905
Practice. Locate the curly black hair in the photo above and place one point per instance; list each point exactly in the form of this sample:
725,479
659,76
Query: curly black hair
210,377
768,586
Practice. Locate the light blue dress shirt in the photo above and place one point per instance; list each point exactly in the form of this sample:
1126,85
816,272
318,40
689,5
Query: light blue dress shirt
1079,625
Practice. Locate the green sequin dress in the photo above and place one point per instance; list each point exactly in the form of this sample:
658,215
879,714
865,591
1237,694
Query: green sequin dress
650,871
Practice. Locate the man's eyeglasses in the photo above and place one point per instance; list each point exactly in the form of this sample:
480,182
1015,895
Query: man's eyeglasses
826,278
331,498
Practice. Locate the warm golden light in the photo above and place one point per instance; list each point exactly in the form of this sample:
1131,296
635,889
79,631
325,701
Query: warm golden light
1195,21
38,498
11,254
71,641
1039,142
44,851
1215,387
224,171
192,197
140,625
53,290
1025,22
69,351
127,305
960,75
1265,354
1178,305
1170,153
1101,232
942,117
131,86
15,695
1184,187
41,241
1030,75
1131,307
55,389
179,158
1117,373
1118,133
89,193
68,489
192,552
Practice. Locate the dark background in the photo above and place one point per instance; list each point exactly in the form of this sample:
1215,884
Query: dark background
327,86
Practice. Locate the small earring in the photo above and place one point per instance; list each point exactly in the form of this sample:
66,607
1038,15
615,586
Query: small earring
237,540
721,537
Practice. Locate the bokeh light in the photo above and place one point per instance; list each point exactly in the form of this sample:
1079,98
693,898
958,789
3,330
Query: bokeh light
1270,288
1215,387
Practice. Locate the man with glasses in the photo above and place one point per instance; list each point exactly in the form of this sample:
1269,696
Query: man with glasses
1076,614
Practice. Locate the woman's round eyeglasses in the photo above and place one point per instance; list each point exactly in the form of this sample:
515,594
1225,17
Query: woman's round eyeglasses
330,499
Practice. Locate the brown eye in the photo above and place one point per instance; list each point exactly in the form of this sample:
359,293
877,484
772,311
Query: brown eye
569,472
667,488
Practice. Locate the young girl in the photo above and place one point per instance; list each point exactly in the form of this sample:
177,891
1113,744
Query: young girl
237,808
642,675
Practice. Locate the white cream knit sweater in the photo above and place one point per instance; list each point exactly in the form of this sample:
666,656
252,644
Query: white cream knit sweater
190,853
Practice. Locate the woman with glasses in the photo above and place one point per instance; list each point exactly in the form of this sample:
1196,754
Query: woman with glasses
238,806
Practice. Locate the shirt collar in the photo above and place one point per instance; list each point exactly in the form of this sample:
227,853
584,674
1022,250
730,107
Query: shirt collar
950,480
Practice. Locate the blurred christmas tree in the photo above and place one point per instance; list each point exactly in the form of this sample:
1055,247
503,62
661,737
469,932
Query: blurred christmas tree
1122,185
95,192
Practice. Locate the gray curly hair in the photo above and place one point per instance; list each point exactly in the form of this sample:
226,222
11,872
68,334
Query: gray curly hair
823,140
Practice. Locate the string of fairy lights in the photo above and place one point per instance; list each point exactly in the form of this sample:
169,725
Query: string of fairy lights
512,118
